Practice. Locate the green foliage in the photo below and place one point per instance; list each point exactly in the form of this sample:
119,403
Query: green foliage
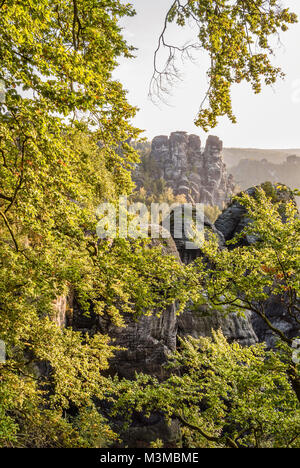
243,277
161,194
152,190
239,39
224,395
64,132
212,212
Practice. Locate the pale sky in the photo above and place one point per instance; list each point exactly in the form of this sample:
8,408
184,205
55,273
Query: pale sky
268,120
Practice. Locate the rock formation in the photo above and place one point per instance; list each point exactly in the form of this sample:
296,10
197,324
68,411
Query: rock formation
186,254
200,175
253,172
63,310
147,343
149,340
201,320
276,312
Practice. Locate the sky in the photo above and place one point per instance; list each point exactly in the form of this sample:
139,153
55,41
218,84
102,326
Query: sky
268,120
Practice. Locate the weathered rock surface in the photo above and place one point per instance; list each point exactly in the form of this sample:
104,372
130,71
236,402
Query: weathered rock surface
276,312
188,251
148,342
200,321
200,175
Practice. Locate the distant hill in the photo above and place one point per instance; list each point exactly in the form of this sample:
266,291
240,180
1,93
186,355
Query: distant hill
250,171
232,156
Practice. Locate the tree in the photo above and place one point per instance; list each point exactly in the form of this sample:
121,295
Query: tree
56,62
239,39
64,132
243,277
224,395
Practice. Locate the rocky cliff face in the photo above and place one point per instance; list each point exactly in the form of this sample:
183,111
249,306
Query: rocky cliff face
252,172
201,320
200,175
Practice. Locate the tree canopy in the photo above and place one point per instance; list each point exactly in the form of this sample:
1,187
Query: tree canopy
65,129
64,132
225,395
239,37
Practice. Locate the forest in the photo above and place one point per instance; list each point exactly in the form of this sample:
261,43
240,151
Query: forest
137,341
